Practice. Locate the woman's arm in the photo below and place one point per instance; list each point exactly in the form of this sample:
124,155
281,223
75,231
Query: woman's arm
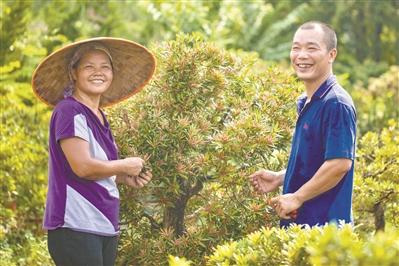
77,153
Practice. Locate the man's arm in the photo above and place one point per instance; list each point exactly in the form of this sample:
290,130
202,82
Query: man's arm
327,177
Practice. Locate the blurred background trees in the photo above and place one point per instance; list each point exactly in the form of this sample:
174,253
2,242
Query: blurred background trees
243,95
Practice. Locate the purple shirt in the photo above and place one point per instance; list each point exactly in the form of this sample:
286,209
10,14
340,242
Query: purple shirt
74,202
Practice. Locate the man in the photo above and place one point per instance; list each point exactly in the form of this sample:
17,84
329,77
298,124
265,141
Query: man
318,181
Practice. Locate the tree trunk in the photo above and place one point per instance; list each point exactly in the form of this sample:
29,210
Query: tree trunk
174,216
379,217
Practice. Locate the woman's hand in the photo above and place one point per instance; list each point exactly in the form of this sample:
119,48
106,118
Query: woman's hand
133,165
138,181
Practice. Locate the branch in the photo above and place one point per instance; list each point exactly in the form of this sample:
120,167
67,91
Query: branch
199,185
241,202
385,197
379,201
373,175
192,215
154,223
365,210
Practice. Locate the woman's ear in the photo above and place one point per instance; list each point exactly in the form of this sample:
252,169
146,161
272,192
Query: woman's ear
73,75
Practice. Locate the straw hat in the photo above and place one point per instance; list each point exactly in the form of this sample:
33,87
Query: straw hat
133,66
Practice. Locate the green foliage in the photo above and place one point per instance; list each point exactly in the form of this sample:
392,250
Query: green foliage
30,249
369,34
22,172
176,261
25,133
15,16
23,148
359,72
371,23
366,30
328,245
208,120
83,19
204,106
377,103
376,192
258,26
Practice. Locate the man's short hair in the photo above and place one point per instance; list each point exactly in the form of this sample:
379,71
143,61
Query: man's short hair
330,38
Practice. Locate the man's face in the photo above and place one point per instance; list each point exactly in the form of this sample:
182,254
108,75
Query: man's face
309,55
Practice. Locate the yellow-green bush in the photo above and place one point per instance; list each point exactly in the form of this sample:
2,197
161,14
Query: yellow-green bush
328,245
23,167
376,188
377,103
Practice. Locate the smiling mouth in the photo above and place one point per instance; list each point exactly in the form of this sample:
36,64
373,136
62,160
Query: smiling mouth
304,66
97,81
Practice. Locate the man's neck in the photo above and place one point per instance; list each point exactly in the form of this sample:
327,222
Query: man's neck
312,86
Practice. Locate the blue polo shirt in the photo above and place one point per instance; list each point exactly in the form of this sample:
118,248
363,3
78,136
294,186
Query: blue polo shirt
325,129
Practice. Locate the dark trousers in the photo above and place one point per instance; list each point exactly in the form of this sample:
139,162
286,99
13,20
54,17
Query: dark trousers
68,247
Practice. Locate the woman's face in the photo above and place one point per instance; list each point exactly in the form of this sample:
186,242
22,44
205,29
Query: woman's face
94,74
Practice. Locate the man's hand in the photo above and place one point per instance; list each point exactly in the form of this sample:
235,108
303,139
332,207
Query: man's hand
286,205
265,181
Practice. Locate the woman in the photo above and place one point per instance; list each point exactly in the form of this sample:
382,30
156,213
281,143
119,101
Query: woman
82,208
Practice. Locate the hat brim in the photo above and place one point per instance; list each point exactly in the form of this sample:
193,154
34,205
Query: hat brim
133,64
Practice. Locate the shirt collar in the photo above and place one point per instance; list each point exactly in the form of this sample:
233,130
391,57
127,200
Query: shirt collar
320,92
301,102
324,87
